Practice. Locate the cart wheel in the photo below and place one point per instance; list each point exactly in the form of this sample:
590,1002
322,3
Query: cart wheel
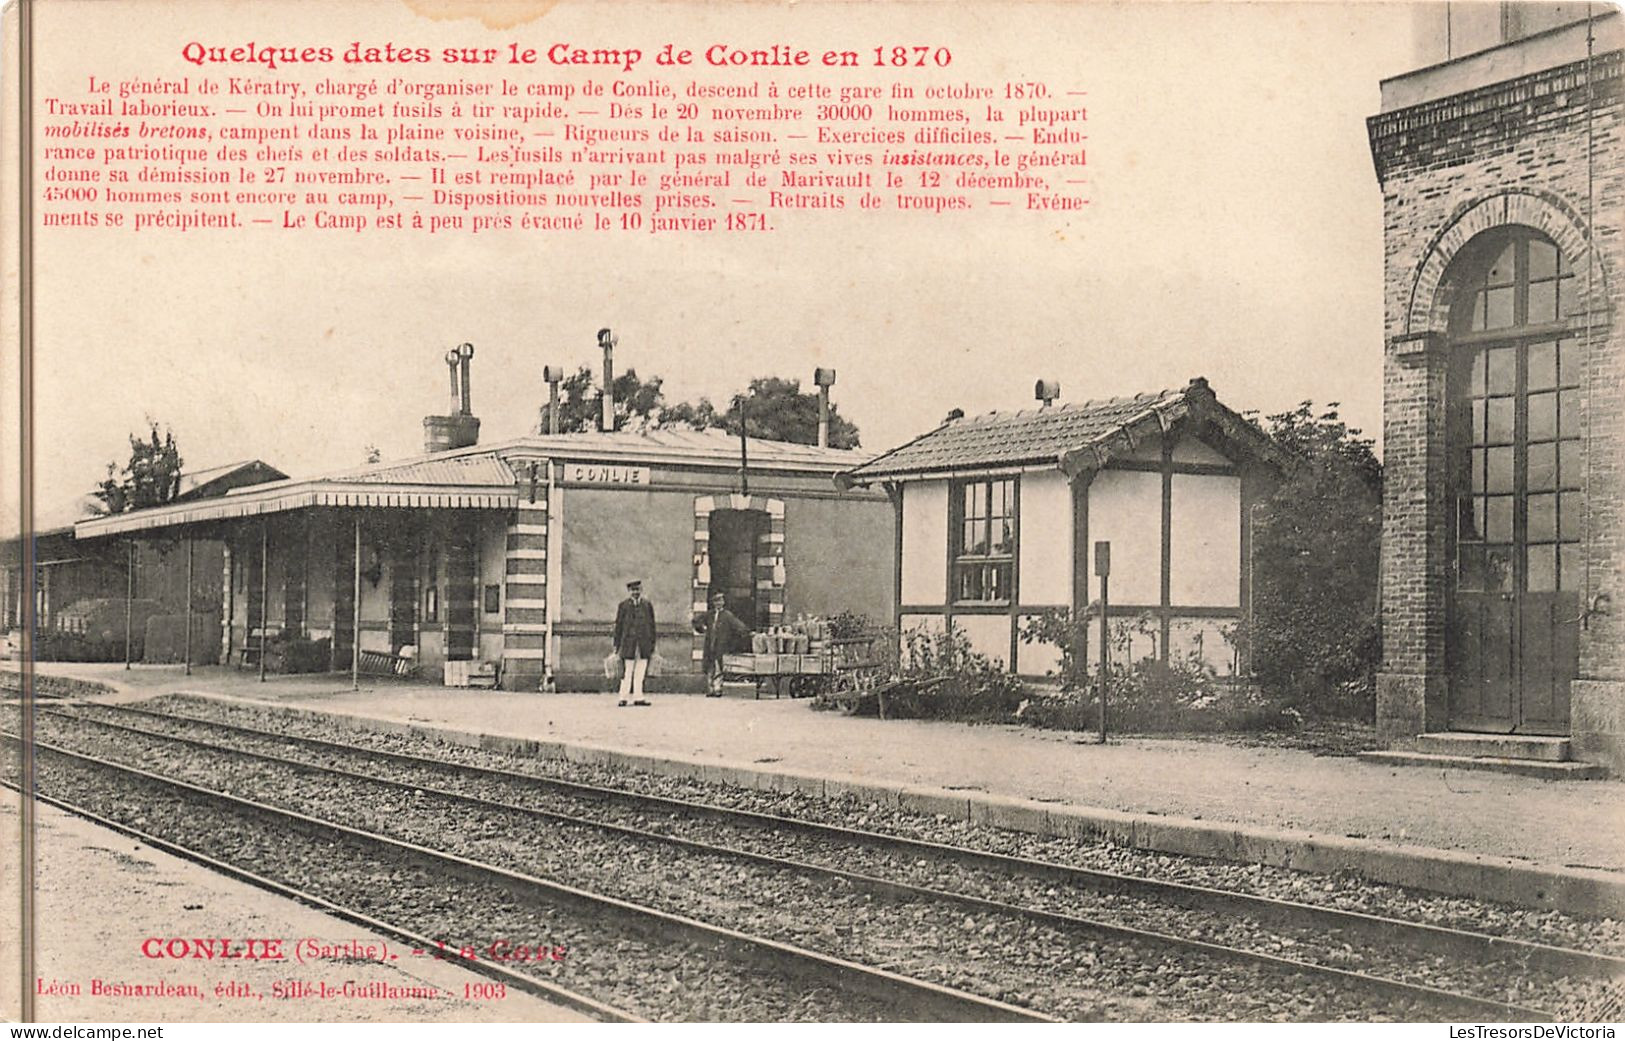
804,686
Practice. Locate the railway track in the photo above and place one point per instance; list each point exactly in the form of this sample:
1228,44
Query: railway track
1382,928
518,980
766,978
1128,900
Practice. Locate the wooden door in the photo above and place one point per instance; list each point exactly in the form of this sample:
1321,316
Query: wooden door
734,537
343,594
462,589
1516,473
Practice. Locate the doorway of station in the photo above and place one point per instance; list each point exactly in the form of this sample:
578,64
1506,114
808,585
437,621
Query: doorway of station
735,536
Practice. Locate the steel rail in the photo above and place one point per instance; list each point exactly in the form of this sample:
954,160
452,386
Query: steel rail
1425,935
1387,985
918,996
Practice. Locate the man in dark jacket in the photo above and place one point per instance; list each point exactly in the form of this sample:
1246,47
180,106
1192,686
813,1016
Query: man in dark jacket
634,642
724,634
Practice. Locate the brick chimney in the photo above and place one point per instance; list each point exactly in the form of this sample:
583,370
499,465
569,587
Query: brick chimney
460,428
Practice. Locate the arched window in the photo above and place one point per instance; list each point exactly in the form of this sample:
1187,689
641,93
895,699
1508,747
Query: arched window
1511,279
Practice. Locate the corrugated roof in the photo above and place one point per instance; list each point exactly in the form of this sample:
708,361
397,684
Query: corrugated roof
694,447
472,471
1074,437
702,446
464,471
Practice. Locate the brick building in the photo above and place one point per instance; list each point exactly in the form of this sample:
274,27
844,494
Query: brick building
1500,162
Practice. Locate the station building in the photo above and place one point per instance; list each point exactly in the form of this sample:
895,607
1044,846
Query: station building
997,517
73,580
1502,166
516,554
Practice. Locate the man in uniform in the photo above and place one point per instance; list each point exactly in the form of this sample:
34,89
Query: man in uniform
724,634
634,642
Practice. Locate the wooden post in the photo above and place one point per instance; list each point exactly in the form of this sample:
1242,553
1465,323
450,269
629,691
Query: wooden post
228,592
1103,568
355,613
129,597
188,605
265,589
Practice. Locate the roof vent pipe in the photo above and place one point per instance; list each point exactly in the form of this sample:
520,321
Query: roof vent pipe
466,353
607,340
825,379
451,367
553,374
1046,391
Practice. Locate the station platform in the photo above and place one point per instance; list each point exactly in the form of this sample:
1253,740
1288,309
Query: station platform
1522,840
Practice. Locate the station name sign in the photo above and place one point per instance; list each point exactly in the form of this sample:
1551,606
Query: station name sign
603,474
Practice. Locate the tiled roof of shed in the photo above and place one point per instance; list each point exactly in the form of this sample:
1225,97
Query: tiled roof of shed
1075,436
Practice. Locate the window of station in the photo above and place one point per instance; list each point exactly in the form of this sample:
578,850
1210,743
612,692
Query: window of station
983,530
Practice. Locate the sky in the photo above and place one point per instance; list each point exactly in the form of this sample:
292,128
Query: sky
1234,232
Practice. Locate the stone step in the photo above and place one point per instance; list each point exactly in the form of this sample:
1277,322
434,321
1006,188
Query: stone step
1545,769
1495,746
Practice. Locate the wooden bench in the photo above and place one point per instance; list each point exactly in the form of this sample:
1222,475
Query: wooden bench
384,663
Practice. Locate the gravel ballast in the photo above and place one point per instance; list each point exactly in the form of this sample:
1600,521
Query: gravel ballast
1005,957
1343,891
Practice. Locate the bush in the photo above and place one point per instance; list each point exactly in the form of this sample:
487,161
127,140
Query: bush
1181,695
297,654
54,645
1150,696
848,624
939,676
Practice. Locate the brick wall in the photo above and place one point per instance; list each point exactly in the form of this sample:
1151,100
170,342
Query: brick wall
1513,153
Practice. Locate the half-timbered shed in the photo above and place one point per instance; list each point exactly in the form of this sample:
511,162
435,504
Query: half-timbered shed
998,516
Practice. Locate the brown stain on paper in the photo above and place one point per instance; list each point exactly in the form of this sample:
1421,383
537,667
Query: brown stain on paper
493,14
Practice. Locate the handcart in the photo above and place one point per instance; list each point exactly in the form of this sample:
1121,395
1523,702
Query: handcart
819,668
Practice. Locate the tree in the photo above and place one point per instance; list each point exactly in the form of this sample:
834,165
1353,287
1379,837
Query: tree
151,477
1314,637
775,410
638,402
